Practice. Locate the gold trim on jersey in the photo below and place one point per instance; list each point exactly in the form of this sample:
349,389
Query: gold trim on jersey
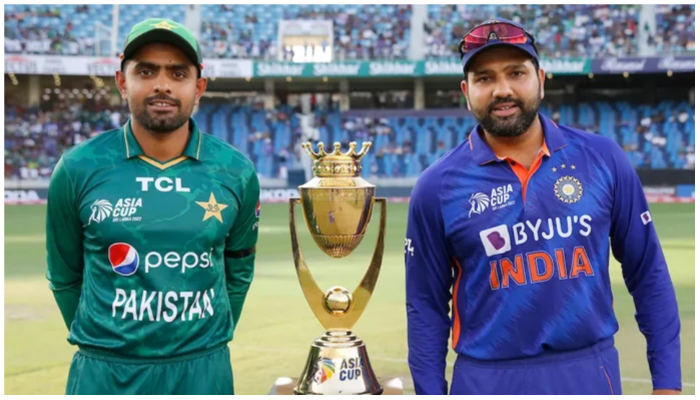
199,145
126,142
163,166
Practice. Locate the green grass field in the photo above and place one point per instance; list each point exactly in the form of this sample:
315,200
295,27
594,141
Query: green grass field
277,325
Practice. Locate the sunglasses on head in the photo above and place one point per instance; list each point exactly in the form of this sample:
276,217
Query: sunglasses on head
499,31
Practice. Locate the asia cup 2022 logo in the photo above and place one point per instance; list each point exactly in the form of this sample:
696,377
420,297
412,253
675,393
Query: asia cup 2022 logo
479,202
101,210
324,370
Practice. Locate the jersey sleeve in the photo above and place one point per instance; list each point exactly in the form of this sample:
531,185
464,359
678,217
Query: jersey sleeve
64,243
428,281
636,246
239,253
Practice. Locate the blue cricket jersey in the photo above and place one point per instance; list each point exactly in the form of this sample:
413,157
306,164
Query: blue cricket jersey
523,255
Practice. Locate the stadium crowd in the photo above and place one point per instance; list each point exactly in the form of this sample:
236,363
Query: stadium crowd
654,136
361,32
572,30
36,137
675,29
44,29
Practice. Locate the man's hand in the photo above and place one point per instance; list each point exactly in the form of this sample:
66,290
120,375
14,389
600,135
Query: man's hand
666,391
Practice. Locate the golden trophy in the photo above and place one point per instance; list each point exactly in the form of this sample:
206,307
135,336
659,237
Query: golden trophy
337,206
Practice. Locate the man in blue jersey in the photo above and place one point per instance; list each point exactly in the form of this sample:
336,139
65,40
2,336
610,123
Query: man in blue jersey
513,228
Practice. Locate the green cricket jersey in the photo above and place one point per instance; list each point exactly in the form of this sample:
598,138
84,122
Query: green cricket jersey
150,259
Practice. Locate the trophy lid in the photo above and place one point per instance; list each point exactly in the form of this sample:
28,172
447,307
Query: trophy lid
337,164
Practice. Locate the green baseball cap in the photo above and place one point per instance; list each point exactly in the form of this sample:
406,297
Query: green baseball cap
163,30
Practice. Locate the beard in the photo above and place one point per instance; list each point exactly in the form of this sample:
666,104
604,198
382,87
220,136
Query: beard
161,123
512,125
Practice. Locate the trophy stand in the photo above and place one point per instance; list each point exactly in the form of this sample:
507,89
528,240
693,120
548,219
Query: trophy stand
284,386
337,205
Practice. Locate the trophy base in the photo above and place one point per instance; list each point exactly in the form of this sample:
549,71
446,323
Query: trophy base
338,364
284,386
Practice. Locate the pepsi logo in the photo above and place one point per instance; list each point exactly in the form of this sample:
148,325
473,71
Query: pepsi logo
124,259
257,210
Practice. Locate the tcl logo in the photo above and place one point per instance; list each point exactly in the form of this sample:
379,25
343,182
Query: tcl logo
162,184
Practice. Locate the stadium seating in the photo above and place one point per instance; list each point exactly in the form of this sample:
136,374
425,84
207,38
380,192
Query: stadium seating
404,146
373,31
361,31
71,29
675,29
131,14
580,30
657,136
35,138
54,29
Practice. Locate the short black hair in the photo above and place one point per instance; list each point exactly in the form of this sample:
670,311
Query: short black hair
124,64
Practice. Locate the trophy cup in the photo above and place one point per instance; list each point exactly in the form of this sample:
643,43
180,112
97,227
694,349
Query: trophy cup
337,206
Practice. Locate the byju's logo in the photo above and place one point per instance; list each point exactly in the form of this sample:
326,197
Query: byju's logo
496,240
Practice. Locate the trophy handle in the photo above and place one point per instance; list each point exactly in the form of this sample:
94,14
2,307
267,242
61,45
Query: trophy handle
363,291
313,293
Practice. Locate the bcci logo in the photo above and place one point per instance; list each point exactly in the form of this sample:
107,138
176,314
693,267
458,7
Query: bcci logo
479,203
568,189
101,210
324,370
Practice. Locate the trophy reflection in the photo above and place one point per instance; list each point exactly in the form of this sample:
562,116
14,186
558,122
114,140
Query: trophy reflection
337,207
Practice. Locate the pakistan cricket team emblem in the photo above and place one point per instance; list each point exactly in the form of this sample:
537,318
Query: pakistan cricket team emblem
212,208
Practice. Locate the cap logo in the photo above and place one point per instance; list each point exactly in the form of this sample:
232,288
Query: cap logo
493,36
164,25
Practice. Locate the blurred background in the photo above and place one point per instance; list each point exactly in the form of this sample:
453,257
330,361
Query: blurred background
385,73
280,75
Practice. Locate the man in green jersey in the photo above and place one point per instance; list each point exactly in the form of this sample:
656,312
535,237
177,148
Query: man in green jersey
151,233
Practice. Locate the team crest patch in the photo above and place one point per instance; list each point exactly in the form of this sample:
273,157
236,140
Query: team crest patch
568,189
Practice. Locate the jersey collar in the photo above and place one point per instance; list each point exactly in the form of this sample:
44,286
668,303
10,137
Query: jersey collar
133,149
553,141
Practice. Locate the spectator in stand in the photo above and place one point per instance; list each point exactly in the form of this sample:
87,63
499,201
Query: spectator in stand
581,30
675,29
362,32
53,29
690,158
36,137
